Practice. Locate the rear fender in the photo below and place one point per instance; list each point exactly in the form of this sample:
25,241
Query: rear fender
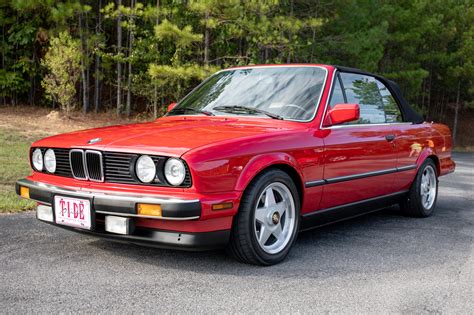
425,154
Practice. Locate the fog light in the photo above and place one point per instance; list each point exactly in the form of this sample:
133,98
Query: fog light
44,213
149,209
117,225
25,192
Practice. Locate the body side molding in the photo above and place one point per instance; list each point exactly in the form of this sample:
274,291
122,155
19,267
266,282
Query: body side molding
358,176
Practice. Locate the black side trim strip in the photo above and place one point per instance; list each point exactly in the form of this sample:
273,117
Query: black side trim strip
358,176
406,168
350,210
315,183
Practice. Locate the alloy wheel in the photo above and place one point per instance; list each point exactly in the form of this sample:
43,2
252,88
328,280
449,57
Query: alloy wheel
274,218
428,187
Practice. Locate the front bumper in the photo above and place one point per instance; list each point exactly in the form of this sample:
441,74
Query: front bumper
115,203
179,226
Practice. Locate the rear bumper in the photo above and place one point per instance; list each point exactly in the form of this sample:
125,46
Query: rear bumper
447,165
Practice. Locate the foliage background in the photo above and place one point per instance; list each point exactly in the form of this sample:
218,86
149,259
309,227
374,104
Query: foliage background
137,56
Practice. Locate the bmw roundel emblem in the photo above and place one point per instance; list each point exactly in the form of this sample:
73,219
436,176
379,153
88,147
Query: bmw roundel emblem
95,140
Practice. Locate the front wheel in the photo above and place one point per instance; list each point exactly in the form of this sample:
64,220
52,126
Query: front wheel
421,199
267,223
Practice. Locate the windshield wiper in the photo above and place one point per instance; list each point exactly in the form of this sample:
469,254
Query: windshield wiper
184,109
240,109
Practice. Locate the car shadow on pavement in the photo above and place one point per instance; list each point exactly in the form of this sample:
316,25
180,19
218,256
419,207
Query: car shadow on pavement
376,243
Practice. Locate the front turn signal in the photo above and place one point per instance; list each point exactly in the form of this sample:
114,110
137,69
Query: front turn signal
149,209
25,192
222,206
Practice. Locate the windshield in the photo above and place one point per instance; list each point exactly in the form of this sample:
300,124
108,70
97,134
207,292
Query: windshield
274,92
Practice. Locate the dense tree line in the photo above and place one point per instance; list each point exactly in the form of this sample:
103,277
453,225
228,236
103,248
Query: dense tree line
134,56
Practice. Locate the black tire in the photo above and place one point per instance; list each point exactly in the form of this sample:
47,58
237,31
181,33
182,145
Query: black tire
413,205
243,244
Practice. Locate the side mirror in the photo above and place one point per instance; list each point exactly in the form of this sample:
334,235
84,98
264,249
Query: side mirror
342,113
171,106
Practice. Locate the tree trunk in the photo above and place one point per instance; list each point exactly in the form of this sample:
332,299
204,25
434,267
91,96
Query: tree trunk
83,67
111,97
86,60
423,88
31,96
3,62
97,59
157,12
155,102
119,65
33,90
456,113
206,40
439,107
155,86
288,58
130,47
428,100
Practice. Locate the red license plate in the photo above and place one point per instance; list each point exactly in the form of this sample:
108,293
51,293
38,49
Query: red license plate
73,212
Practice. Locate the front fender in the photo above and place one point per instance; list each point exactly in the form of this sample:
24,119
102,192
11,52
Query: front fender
261,162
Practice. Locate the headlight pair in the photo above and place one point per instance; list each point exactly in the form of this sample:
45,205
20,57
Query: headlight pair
48,161
174,170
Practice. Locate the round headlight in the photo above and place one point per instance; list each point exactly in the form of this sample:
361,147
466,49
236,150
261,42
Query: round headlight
37,159
175,172
145,169
50,161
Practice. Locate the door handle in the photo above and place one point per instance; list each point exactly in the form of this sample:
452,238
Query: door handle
390,138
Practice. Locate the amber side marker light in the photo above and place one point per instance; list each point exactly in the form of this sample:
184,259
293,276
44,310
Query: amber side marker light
149,209
222,206
25,192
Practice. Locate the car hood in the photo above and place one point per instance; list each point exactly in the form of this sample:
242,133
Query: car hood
171,136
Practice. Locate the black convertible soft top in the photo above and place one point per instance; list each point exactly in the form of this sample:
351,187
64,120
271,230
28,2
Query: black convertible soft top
408,113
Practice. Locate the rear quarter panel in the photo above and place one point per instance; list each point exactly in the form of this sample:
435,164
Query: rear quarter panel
417,142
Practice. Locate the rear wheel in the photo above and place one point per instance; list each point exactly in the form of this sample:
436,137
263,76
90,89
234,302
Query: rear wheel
267,223
421,199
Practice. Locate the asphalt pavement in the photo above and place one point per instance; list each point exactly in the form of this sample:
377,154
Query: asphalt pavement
378,263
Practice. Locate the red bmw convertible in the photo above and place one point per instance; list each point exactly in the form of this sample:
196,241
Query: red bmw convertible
249,158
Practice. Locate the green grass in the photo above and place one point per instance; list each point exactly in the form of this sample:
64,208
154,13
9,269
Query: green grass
14,164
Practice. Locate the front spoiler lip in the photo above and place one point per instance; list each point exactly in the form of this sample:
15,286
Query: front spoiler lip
116,203
186,241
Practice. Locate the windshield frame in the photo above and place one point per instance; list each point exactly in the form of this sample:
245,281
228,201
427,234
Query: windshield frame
316,107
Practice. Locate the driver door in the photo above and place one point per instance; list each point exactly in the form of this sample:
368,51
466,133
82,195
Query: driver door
359,157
